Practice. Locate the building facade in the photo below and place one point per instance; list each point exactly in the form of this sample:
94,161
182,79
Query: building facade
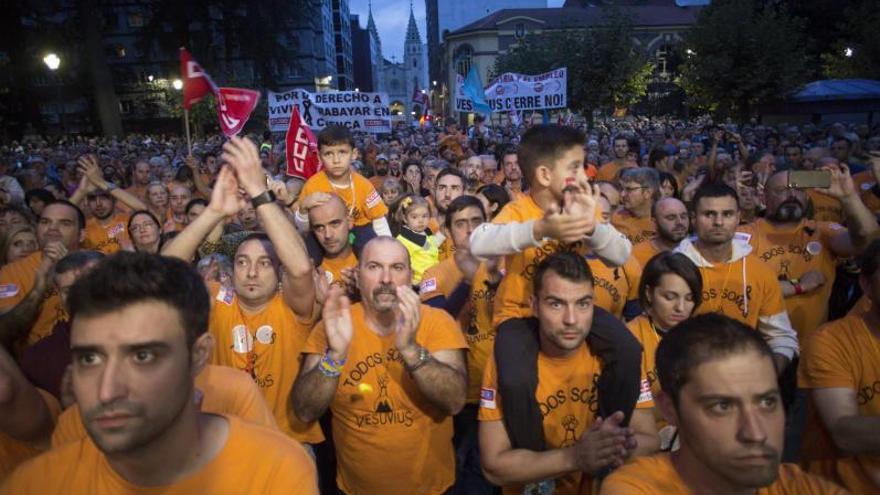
342,31
142,74
445,16
656,29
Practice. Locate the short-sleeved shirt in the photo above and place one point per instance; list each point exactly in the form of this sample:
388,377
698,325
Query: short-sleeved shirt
567,396
656,474
254,460
826,208
223,390
107,238
512,298
361,199
266,346
389,438
614,286
475,319
634,228
842,354
333,267
16,280
726,291
792,252
644,251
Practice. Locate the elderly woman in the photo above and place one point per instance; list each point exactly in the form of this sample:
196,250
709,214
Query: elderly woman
19,242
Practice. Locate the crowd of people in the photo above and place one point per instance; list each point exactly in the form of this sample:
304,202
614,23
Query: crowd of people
644,306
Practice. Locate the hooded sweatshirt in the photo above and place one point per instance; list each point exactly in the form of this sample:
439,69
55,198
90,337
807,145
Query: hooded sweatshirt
745,288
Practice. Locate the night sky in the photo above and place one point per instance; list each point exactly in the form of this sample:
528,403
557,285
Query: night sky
391,17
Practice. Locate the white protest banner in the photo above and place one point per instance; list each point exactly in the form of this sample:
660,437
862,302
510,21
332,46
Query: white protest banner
511,92
367,112
462,102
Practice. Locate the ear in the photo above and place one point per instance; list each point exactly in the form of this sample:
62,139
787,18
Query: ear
201,353
543,175
648,296
667,408
533,302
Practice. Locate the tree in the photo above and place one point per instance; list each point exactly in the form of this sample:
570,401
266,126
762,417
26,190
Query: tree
606,70
741,53
831,27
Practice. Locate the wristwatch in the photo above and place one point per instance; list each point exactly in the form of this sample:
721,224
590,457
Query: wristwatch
424,358
266,196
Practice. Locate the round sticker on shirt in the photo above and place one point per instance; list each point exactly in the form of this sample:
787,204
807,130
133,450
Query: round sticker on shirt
329,276
265,335
814,247
242,341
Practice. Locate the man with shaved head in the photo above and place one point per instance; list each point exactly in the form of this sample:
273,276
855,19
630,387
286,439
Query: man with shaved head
393,372
331,227
672,223
804,252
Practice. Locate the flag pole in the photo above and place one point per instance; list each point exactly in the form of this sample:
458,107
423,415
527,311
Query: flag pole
189,145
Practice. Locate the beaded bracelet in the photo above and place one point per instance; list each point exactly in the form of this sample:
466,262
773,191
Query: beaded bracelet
328,367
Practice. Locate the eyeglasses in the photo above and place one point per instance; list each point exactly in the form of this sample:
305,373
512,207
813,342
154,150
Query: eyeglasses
632,189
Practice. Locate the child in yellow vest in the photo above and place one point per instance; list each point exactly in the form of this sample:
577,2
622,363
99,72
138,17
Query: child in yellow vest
424,252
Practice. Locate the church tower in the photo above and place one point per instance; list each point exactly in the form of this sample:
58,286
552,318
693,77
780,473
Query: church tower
377,62
415,58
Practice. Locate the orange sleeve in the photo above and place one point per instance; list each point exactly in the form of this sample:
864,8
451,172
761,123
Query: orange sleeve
445,333
826,360
317,341
16,280
490,402
374,206
793,480
242,397
431,285
508,214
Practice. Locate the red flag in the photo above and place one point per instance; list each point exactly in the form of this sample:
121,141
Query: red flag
234,107
196,82
301,148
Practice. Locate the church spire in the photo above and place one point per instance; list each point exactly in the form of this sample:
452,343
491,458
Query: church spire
412,30
371,27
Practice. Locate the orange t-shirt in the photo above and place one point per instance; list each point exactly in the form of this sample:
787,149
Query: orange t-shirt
16,280
656,474
792,252
723,290
512,298
333,267
634,228
389,439
14,452
224,390
254,460
446,248
361,198
644,251
842,354
107,239
614,286
567,395
266,346
826,208
475,318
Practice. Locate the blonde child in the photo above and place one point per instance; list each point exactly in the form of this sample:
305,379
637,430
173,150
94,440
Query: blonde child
412,215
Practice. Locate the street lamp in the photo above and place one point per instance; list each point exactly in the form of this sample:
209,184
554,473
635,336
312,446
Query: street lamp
848,52
150,78
177,84
53,62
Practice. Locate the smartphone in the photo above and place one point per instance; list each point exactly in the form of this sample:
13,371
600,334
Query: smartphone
806,179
